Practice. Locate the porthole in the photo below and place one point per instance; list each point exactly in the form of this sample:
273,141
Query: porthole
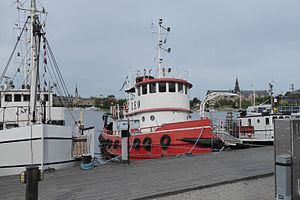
152,118
258,121
143,119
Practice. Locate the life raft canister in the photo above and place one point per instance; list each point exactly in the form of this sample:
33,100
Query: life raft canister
147,143
136,143
165,142
116,144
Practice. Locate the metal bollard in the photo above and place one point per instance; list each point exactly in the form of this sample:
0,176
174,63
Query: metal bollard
31,177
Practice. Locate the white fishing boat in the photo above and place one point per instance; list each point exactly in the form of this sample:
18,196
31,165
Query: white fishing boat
256,124
32,127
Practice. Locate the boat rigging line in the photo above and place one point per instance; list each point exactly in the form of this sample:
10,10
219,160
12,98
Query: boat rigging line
59,79
13,52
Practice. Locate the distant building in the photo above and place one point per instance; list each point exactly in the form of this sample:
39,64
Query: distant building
292,97
82,102
244,94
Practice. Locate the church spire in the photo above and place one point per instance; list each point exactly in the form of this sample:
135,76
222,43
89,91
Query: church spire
237,86
76,92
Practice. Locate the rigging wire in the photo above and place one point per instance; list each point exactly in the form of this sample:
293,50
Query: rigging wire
64,87
59,78
13,52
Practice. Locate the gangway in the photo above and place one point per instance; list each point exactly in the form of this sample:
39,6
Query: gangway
228,139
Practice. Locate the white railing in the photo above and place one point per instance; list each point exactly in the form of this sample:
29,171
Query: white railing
166,72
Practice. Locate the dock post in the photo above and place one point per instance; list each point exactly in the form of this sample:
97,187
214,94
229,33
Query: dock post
31,177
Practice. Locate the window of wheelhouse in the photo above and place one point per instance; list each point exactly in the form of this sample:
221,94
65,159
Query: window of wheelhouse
17,97
172,87
144,89
152,87
186,89
180,88
162,87
8,97
26,97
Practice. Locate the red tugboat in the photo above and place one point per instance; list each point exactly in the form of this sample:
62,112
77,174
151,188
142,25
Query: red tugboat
159,116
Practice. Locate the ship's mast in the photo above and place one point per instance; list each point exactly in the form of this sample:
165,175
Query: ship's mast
35,41
160,47
159,60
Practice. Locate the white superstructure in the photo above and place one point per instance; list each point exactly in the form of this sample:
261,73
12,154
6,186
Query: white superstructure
159,95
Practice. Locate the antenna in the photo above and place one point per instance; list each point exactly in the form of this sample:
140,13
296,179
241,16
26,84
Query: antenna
162,30
271,94
292,87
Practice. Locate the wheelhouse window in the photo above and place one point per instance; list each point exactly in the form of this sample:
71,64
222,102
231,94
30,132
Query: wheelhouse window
180,88
17,97
8,97
172,87
26,97
152,87
186,89
162,87
144,89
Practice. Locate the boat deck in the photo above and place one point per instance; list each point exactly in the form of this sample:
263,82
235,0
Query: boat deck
148,179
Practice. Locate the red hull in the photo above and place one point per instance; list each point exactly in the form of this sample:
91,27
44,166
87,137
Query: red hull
168,140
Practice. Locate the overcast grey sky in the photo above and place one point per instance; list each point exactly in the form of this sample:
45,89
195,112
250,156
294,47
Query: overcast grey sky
95,41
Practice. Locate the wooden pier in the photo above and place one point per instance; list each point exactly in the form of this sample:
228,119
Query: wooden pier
148,179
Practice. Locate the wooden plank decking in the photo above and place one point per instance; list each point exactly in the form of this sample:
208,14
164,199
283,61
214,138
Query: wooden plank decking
148,179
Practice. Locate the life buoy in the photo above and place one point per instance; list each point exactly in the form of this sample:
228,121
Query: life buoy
108,143
165,141
116,144
147,143
136,143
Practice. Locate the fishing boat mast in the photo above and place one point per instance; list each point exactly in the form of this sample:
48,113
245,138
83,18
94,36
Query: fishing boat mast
35,38
160,47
